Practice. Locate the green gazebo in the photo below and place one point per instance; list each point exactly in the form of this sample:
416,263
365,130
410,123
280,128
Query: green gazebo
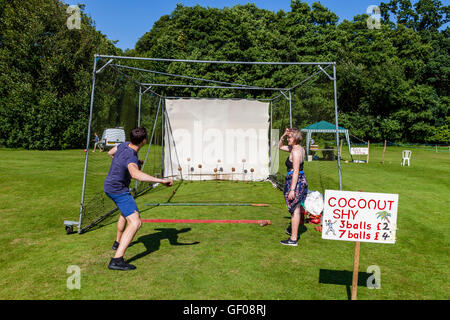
324,127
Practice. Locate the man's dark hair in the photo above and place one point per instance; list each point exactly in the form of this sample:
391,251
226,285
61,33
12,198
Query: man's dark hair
138,135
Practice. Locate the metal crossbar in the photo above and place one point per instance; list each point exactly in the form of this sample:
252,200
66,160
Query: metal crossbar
180,76
215,62
210,87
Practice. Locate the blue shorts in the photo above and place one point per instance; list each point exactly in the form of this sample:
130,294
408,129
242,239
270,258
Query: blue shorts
125,202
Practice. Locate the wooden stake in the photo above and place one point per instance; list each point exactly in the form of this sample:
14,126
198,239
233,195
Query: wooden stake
384,151
368,150
340,148
355,271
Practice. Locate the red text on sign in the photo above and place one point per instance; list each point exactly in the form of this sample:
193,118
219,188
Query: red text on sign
361,203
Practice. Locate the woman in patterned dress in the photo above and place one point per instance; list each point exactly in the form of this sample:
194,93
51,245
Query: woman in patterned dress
296,186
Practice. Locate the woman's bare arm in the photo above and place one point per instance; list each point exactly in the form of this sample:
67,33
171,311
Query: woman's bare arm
281,145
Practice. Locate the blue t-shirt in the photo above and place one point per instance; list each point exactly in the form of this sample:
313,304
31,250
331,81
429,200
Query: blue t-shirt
118,179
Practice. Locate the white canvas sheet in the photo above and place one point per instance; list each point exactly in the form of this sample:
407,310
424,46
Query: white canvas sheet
216,134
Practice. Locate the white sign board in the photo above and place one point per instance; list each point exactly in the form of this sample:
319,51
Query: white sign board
359,151
204,135
360,216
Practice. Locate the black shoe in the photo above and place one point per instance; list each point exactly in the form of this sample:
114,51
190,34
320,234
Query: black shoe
289,242
120,264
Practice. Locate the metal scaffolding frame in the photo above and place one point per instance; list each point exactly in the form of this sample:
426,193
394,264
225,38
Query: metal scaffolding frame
147,87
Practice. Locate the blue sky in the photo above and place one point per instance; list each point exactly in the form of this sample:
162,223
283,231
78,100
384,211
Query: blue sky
127,21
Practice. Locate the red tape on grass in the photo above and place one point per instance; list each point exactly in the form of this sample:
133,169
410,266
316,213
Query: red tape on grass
260,222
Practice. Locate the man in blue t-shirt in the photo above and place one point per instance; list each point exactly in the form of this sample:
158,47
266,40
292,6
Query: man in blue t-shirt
125,165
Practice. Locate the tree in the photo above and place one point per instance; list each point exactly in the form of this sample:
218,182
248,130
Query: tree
46,74
392,82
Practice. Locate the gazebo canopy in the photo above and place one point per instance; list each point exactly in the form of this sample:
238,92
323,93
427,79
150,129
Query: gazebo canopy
324,127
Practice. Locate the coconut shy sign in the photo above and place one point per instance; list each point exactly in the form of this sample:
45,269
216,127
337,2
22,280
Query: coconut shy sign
360,216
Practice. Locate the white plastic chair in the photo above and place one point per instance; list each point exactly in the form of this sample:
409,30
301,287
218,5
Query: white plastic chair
406,157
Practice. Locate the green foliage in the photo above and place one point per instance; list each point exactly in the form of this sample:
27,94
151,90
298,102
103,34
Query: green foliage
230,261
46,75
441,134
392,82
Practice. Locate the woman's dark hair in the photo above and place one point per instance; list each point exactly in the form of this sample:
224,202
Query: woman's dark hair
138,135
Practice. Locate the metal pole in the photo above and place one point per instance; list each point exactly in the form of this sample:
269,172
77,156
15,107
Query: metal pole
150,142
219,62
300,83
104,66
270,142
337,126
162,139
207,204
153,133
290,109
169,131
181,76
87,142
210,87
261,223
139,110
139,123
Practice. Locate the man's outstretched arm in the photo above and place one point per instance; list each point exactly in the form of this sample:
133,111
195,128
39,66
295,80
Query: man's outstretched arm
143,177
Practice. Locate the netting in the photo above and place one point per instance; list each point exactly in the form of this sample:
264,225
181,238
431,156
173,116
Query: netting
310,102
137,83
119,110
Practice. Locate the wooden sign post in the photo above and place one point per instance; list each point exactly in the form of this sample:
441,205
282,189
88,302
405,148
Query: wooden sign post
356,268
359,217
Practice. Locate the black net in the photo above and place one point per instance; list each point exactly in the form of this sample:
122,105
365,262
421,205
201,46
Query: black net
312,101
113,117
117,107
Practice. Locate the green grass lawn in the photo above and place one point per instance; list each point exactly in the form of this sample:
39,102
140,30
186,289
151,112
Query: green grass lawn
41,189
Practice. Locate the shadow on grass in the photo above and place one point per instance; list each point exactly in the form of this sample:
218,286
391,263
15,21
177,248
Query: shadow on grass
103,212
100,211
343,277
152,241
209,185
301,227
